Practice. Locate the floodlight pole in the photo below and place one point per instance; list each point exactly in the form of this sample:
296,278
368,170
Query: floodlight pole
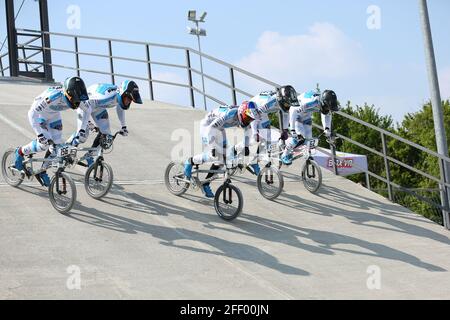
436,104
201,64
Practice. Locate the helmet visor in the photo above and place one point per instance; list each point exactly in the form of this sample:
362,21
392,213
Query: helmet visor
247,117
136,96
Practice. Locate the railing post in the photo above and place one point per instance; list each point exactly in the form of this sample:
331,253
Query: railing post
77,57
150,77
333,158
368,181
1,66
444,194
111,62
387,166
233,87
191,90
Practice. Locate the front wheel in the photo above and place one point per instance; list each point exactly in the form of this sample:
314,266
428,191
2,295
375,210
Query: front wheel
98,180
11,175
175,180
62,192
270,183
228,202
312,176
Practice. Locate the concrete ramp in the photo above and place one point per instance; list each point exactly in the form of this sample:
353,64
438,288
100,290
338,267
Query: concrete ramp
141,242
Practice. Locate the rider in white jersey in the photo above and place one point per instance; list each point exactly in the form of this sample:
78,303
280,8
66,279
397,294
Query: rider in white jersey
266,103
103,97
214,139
45,119
301,119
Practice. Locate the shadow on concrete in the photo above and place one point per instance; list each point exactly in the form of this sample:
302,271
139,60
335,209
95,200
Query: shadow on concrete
169,235
392,219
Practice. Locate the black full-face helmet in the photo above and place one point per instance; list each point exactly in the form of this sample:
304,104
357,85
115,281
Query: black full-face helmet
329,102
287,97
75,91
131,90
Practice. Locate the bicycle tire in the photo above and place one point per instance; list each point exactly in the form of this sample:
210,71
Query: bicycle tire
12,183
218,197
90,191
317,171
62,209
184,186
278,189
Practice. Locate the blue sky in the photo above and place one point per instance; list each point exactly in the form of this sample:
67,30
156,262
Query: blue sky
297,42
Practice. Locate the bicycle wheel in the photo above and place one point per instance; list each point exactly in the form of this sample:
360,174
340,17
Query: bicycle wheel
62,192
98,180
11,176
312,176
228,202
172,178
270,183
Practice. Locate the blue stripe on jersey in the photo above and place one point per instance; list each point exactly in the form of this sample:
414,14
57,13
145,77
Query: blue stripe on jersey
53,96
57,125
309,95
104,87
34,146
102,115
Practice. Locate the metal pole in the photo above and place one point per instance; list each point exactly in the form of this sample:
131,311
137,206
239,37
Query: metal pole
77,58
436,101
443,190
12,39
233,85
111,62
191,90
388,168
150,77
1,67
334,158
201,66
368,181
47,55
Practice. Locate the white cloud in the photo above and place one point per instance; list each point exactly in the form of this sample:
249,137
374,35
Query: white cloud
444,80
324,53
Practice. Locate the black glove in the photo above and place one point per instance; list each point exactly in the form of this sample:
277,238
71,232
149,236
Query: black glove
42,140
284,135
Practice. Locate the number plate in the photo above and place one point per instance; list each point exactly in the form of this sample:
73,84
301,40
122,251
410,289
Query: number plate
66,151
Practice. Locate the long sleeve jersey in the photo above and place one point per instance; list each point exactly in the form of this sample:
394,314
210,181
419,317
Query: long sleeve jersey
49,105
106,96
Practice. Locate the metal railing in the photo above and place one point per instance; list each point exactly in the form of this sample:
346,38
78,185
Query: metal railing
230,84
2,67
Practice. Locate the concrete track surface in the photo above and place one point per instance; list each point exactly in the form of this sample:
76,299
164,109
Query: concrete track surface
141,242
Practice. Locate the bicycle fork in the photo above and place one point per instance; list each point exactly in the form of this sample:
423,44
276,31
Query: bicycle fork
228,193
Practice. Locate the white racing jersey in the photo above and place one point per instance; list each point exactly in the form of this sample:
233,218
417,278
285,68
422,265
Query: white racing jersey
309,103
48,106
102,97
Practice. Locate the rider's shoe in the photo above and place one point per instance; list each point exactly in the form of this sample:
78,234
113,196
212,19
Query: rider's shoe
18,164
207,190
287,159
45,179
188,169
256,169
